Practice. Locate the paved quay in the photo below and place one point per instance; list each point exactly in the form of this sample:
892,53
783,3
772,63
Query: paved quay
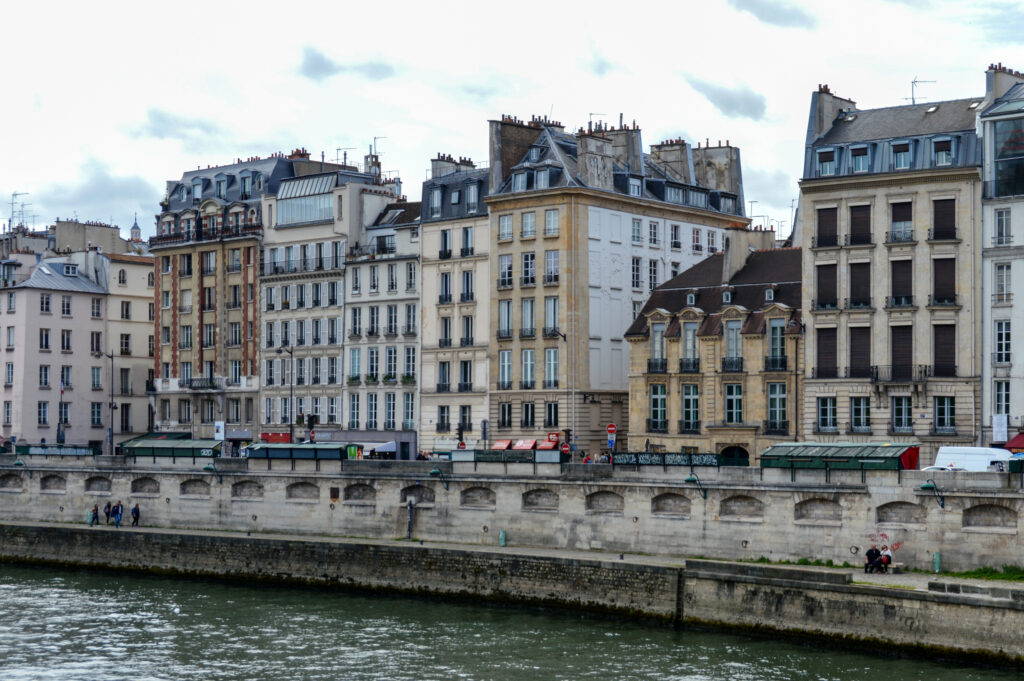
917,581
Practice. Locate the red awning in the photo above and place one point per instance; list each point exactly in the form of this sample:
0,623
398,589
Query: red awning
1016,443
524,444
547,444
502,444
275,437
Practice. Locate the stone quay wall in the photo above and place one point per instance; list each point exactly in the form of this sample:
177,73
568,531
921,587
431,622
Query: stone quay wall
748,513
815,604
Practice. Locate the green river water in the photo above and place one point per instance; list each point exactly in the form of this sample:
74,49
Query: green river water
66,625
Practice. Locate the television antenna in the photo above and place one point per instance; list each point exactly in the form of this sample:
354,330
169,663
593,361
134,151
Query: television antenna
341,157
913,89
375,153
14,200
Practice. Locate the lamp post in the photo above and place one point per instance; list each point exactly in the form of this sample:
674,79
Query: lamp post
110,428
291,391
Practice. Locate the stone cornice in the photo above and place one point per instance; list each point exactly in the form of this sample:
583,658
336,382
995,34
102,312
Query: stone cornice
821,185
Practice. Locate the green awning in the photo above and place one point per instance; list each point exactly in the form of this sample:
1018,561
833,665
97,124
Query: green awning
878,455
172,448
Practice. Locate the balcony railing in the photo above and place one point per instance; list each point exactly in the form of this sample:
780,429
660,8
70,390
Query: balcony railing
858,239
466,342
858,304
444,342
901,428
185,309
824,241
408,424
504,334
444,299
504,385
551,332
657,366
657,425
443,427
444,254
550,383
895,302
504,283
771,427
550,279
858,429
466,427
1002,298
1002,240
775,363
550,423
899,373
688,427
204,383
732,364
444,387
942,301
862,371
526,385
1001,358
528,280
353,424
409,330
899,237
947,234
185,345
465,386
689,365
466,251
825,372
825,304
527,332
943,370
943,430
826,428
466,297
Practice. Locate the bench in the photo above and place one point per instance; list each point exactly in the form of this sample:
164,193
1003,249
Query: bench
896,568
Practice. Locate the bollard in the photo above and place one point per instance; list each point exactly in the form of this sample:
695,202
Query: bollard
501,537
937,562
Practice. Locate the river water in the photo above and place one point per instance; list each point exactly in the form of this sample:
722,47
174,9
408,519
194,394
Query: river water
69,625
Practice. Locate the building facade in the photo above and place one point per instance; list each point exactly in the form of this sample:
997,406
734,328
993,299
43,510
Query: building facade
456,324
715,355
889,220
582,227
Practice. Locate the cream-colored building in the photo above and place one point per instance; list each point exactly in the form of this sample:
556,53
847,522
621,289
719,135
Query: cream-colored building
456,306
889,221
582,227
716,355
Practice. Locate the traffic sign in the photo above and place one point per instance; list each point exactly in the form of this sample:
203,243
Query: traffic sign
611,443
565,448
462,445
611,429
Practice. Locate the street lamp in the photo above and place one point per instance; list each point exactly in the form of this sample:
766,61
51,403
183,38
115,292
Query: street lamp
291,391
110,428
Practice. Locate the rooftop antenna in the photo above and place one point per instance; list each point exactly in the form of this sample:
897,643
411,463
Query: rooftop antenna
913,89
342,154
14,200
375,144
592,114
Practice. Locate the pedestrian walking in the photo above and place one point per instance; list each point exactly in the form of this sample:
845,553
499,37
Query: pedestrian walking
116,511
106,512
94,515
135,515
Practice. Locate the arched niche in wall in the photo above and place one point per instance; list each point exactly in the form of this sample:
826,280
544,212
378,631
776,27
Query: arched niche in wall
11,482
360,494
145,485
540,499
194,488
477,497
604,501
53,483
247,489
97,483
900,513
818,511
991,517
671,505
742,508
418,493
302,491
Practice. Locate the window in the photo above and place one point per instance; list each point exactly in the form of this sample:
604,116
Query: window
541,178
1001,402
435,202
373,278
1003,235
504,369
827,231
658,422
97,378
10,336
551,368
467,285
44,376
65,376
44,303
637,273
528,418
551,313
712,247
504,227
519,182
945,414
443,418
354,359
65,340
97,308
634,187
529,273
691,407
410,276
529,221
11,302
734,403
1009,157
860,414
860,159
550,414
504,414
410,361
44,339
371,411
43,413
528,364
550,267
827,414
551,222
901,417
652,233
676,238
1002,338
1003,292
652,274
901,156
732,339
65,306
527,315
638,237
827,162
943,152
777,407
698,245
471,197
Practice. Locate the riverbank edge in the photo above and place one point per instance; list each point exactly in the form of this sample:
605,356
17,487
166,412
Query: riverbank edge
799,603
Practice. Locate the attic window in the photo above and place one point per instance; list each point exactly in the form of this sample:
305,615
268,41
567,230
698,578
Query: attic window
456,195
943,152
932,109
182,193
769,295
71,270
827,162
691,299
634,187
851,118
540,180
534,155
973,105
519,182
726,297
901,156
860,159
391,216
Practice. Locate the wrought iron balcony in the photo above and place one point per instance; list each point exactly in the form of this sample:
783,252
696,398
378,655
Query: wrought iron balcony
657,365
894,302
825,372
732,364
466,251
504,334
657,425
550,278
858,303
947,234
444,342
504,385
444,299
465,386
858,239
204,383
527,332
550,383
527,385
466,341
689,365
444,387
942,301
775,363
825,304
824,241
444,254
771,427
688,427
466,297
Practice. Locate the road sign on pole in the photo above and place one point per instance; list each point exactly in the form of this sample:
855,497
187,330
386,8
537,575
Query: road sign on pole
565,448
462,445
611,429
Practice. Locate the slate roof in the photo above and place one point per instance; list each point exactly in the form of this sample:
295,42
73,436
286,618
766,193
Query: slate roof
49,275
408,213
911,120
1012,101
452,182
777,268
137,259
273,169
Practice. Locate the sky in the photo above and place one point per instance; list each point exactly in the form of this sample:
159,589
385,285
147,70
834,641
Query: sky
102,103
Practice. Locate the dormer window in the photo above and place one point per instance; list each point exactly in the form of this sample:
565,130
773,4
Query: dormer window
634,187
541,179
860,159
222,189
197,190
456,195
435,202
534,154
901,156
943,152
70,270
246,187
769,295
519,182
726,297
827,162
182,193
471,197
691,299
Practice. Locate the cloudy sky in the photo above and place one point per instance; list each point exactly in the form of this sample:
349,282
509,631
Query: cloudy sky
104,102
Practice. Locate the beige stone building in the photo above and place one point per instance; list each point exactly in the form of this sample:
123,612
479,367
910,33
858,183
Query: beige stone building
889,218
582,227
457,282
715,355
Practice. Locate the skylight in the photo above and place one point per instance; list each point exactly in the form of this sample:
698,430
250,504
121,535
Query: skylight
932,109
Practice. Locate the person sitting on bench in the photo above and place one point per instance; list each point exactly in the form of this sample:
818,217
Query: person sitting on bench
886,559
870,558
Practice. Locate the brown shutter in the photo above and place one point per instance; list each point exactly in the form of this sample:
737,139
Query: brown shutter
944,145
945,350
862,151
902,279
826,156
944,281
860,352
860,224
860,284
897,148
827,227
826,353
944,218
826,286
902,351
901,212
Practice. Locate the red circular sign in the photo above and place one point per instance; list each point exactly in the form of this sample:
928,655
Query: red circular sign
611,429
565,448
462,445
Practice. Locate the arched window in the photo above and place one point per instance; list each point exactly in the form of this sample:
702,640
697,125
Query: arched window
150,279
122,277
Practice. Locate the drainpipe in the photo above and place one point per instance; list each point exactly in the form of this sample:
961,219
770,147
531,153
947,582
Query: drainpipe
980,248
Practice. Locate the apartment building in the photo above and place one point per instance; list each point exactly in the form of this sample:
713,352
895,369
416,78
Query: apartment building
890,202
1002,130
456,314
207,249
715,355
311,220
583,226
76,341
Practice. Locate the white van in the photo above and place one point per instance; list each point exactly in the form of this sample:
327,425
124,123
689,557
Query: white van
972,459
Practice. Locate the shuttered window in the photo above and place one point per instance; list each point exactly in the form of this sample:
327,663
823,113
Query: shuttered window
826,353
944,145
860,225
944,281
902,283
827,233
944,219
826,163
945,350
902,351
826,287
860,352
860,285
901,212
902,222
